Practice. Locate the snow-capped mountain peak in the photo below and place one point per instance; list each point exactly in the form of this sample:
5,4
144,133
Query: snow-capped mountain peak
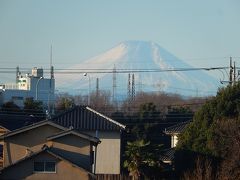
141,55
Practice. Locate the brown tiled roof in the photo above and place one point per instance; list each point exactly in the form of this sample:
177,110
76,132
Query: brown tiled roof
85,118
176,129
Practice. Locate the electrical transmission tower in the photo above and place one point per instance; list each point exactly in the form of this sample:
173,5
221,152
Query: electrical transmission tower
133,87
97,88
129,86
231,72
140,84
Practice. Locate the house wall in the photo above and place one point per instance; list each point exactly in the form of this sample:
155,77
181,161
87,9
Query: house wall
2,131
108,152
174,140
73,148
24,170
15,147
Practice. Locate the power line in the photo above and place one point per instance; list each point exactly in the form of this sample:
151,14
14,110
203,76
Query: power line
103,70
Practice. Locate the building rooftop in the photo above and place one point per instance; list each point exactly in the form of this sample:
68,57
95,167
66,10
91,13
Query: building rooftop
12,121
177,128
52,152
167,155
85,118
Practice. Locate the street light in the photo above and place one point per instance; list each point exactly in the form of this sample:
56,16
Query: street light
37,88
89,86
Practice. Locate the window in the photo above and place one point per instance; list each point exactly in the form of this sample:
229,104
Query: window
38,166
50,166
44,166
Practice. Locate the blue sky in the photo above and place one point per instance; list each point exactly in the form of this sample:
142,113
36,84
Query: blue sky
203,33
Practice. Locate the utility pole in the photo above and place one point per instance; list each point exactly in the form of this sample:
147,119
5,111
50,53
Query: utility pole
234,72
231,72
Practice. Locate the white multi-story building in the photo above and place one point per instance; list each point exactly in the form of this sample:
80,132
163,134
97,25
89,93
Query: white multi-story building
29,86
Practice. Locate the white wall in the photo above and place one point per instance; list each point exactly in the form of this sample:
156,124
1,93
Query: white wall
108,152
174,140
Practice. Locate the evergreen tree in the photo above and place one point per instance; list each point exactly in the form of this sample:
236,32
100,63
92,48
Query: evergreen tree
142,159
33,107
200,136
10,107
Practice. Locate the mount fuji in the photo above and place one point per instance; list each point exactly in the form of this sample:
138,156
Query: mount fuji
141,56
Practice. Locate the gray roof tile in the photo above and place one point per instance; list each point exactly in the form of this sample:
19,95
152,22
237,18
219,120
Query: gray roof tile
85,118
177,129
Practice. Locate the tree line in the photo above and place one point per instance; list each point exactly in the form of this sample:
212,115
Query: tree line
211,143
146,117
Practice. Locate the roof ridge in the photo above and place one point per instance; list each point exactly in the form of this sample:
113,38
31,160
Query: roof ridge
47,149
177,128
50,151
25,128
178,124
82,135
107,118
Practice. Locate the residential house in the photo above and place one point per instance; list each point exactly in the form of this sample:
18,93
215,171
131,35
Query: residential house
46,150
3,130
174,131
89,121
10,121
72,137
168,154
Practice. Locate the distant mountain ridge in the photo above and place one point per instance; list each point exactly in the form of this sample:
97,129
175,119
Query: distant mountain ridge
141,55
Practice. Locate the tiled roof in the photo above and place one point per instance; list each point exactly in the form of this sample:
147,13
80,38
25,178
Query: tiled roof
176,129
85,118
31,126
167,155
12,121
1,150
50,151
